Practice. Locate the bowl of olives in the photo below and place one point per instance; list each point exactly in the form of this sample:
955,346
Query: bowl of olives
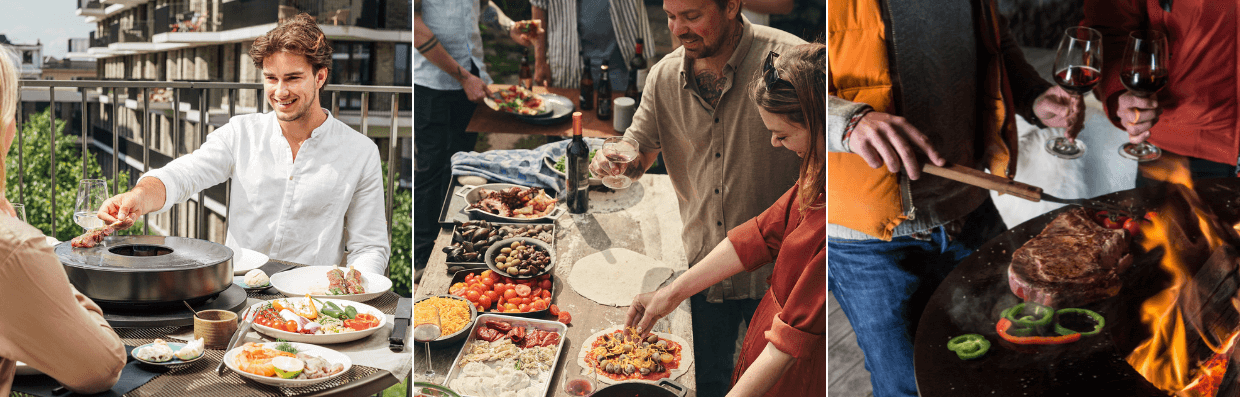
520,257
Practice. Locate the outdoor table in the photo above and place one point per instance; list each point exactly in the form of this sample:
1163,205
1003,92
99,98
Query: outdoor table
643,218
490,121
375,367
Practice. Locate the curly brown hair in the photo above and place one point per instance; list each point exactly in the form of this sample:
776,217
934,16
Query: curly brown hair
803,103
298,35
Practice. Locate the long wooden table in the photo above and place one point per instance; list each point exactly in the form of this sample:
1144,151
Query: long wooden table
490,121
643,218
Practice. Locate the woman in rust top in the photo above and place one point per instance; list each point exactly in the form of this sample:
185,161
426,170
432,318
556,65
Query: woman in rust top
784,353
44,321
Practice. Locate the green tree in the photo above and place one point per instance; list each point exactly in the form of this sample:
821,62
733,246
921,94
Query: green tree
401,258
36,173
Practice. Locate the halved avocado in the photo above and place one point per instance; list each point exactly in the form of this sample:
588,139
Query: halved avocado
288,367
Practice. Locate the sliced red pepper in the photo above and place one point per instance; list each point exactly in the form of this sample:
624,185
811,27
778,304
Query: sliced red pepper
1004,325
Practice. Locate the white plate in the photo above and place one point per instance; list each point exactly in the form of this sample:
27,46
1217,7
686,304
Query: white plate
174,361
332,357
299,282
245,260
326,339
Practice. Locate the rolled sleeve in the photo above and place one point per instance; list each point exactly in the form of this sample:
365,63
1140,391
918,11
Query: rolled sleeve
208,166
757,241
366,221
839,112
799,329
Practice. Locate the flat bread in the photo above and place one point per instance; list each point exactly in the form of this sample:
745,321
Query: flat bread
686,356
614,276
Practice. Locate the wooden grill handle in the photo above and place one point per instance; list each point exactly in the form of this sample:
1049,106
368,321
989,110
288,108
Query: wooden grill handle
985,180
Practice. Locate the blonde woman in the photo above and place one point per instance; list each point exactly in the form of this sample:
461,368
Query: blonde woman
47,324
784,353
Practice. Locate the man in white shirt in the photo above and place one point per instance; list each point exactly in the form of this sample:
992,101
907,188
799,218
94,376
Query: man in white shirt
300,176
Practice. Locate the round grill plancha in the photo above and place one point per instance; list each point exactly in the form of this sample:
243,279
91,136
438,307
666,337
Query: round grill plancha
127,271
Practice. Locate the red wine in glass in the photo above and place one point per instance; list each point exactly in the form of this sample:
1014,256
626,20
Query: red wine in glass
1078,80
579,387
1078,68
1145,72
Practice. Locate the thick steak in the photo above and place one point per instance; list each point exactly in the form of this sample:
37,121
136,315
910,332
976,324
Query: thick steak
1073,262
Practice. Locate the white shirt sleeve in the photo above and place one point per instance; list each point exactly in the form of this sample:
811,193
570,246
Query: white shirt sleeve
208,166
366,220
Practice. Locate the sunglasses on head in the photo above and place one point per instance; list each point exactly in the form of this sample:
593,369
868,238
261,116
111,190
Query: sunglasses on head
770,74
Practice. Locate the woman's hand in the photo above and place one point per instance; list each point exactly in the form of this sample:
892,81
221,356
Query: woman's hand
648,308
1058,108
1137,115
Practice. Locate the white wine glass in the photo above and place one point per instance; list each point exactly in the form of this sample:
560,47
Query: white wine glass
619,151
21,211
1078,68
427,329
91,194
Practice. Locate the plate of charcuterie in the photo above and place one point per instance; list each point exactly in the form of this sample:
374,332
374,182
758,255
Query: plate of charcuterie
331,282
621,355
317,320
507,355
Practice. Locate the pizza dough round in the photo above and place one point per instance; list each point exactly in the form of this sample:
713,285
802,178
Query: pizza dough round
614,276
686,356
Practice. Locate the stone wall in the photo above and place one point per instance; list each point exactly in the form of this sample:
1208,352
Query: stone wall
1040,23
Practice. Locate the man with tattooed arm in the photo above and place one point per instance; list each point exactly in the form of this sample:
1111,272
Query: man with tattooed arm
697,112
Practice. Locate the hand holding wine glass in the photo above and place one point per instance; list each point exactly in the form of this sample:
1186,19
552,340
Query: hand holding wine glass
1078,68
619,152
91,194
1144,74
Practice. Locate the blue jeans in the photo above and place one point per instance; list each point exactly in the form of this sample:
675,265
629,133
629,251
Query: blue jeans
883,286
716,327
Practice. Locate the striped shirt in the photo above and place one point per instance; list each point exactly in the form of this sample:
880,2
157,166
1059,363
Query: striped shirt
628,19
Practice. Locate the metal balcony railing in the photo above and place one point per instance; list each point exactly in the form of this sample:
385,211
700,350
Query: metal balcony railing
201,92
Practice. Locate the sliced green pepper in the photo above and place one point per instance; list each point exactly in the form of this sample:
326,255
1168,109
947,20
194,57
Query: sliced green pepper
350,311
1048,314
1098,320
969,346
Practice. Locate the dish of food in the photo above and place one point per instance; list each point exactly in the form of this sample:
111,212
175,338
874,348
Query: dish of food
620,354
507,357
317,320
1074,261
327,282
455,314
520,101
491,292
519,257
287,364
516,202
164,353
471,239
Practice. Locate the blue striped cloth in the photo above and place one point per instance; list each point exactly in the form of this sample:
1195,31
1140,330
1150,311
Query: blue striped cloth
517,166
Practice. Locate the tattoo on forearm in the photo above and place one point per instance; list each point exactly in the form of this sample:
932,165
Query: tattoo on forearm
710,87
429,44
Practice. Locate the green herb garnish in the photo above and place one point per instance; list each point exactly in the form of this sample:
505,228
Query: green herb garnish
286,347
562,163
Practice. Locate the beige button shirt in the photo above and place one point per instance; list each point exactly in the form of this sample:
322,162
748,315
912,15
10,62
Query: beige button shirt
45,322
720,160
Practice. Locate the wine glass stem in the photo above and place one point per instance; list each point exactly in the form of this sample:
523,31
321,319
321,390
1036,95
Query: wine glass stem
430,370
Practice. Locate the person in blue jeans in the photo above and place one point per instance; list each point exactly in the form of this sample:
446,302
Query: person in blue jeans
910,82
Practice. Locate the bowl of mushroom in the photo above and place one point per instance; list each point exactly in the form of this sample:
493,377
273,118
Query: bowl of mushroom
520,257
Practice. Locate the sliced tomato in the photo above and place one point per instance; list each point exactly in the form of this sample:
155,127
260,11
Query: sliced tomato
564,317
545,284
555,310
523,290
1132,226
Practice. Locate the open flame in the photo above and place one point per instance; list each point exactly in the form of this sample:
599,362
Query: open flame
1165,359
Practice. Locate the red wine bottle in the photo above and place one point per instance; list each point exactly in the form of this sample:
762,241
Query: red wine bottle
1078,79
577,171
1143,81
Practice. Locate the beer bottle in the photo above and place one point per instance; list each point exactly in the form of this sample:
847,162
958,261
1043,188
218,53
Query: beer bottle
586,102
604,93
527,77
577,171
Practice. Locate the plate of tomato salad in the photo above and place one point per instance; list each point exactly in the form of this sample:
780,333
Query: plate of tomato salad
326,321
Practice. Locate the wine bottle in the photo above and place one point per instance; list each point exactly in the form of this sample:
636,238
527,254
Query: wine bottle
636,66
586,102
577,171
604,93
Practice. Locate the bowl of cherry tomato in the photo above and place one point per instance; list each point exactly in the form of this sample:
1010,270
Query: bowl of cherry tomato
491,292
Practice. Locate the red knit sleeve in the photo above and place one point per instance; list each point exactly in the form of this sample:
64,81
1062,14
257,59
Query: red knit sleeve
800,329
757,240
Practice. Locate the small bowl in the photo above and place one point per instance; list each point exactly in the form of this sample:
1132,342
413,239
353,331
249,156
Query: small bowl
494,250
459,334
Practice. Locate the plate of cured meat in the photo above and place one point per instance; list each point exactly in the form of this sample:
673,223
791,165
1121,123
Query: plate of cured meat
503,202
331,282
621,355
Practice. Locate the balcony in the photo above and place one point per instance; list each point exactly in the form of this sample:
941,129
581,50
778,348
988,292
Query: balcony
240,20
90,8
